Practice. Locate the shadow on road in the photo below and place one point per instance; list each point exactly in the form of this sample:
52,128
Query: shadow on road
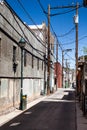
46,115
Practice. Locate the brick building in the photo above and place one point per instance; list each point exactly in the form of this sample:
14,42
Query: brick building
58,74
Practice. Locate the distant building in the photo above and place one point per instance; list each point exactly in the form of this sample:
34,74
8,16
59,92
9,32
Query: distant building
58,74
41,31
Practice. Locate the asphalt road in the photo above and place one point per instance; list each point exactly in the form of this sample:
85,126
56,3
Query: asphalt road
50,114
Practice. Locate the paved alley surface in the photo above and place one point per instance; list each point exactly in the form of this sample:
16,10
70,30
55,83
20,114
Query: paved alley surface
55,112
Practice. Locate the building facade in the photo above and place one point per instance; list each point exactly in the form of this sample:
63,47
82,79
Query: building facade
41,32
12,29
82,83
58,74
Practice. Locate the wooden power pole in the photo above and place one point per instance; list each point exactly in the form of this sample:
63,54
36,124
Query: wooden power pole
48,74
76,53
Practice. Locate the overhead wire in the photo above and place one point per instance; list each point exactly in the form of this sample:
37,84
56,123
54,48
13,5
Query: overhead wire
43,12
12,11
32,21
75,41
27,40
67,33
58,14
8,35
70,57
51,27
63,12
41,7
46,17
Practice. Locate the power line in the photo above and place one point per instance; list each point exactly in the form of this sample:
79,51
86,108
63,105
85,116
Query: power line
41,41
42,7
74,41
70,57
31,20
69,6
60,7
50,23
67,33
27,40
11,10
62,13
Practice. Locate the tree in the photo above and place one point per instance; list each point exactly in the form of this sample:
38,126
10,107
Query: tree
85,50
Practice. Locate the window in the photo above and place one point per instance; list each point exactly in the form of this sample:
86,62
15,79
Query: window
32,61
0,88
25,58
85,67
55,80
38,64
14,53
0,47
0,82
42,65
14,59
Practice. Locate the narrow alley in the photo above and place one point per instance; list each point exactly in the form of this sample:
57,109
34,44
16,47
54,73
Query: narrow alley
55,112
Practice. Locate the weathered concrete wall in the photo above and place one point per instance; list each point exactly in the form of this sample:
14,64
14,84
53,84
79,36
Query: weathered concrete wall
12,28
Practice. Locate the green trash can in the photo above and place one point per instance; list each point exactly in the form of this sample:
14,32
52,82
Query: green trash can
24,102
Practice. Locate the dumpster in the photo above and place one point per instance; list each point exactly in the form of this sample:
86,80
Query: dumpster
24,102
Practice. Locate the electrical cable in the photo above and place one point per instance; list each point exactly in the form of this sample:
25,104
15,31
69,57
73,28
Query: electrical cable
41,6
22,30
17,42
12,11
28,26
50,23
70,57
31,20
21,35
75,41
67,33
52,27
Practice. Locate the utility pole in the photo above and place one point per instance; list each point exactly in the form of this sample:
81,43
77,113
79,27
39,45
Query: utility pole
76,53
67,50
48,75
66,77
62,66
56,66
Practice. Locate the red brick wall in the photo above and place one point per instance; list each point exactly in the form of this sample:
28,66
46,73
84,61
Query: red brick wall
58,74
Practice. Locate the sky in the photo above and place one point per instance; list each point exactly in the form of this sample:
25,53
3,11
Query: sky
62,24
